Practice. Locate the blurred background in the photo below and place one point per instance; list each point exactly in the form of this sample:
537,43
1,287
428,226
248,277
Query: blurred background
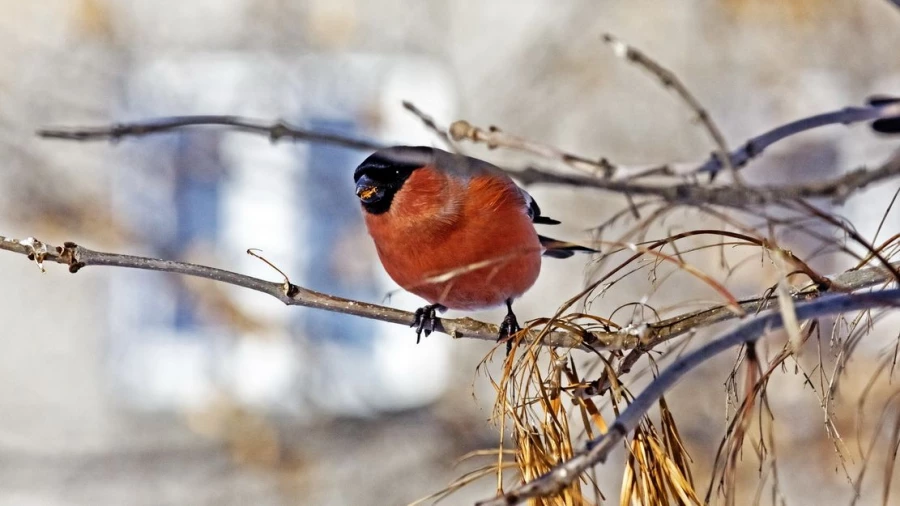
123,388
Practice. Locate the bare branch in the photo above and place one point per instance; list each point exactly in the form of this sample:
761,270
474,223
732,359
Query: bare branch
494,138
275,131
738,158
627,338
846,116
76,257
430,124
598,449
837,189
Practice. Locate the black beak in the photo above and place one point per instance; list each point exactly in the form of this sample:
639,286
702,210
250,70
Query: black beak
368,190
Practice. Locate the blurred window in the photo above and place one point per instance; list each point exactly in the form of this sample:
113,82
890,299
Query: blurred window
206,195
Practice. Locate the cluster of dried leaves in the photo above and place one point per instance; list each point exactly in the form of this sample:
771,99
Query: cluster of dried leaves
550,400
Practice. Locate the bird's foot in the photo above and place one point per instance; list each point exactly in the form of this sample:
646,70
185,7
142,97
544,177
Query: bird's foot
508,328
426,320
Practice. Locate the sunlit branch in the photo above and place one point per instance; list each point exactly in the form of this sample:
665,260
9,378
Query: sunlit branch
77,257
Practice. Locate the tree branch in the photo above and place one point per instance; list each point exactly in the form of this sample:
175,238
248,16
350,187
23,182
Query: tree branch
837,189
430,124
275,131
846,116
77,257
627,338
493,137
281,130
598,449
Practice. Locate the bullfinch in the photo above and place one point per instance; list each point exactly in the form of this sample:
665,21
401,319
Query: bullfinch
454,230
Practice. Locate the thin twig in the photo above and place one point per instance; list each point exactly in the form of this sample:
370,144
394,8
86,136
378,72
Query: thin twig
275,131
430,124
598,449
670,80
851,233
495,138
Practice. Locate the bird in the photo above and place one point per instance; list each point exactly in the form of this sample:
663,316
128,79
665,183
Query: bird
455,230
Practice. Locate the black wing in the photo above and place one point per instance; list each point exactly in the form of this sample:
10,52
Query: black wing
890,125
561,249
552,247
534,211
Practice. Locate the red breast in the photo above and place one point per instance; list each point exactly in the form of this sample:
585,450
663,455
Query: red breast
465,242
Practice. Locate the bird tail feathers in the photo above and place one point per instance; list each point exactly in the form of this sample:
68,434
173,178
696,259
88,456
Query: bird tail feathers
891,124
561,249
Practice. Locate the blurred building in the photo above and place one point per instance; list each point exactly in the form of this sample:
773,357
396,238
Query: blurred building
207,196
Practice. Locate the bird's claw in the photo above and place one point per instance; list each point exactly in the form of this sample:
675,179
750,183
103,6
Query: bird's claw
426,320
508,328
